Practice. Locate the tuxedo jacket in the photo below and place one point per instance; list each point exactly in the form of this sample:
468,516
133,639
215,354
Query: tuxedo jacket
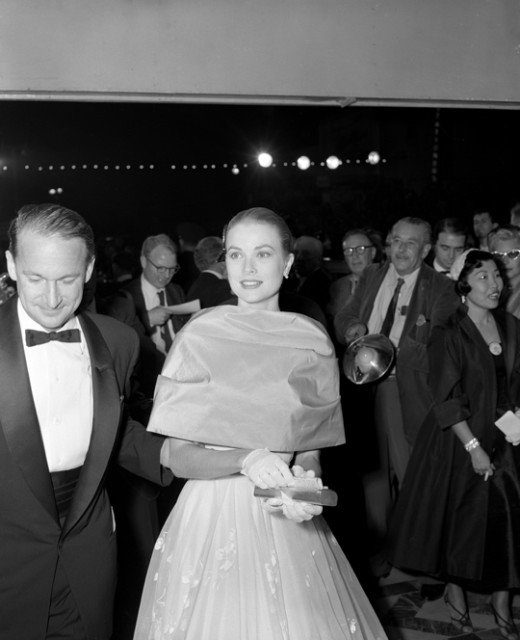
433,300
31,538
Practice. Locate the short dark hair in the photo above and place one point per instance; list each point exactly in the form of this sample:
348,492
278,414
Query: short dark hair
481,210
473,261
449,225
50,219
266,216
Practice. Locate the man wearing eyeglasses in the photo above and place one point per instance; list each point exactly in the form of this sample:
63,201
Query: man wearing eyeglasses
504,243
148,297
359,252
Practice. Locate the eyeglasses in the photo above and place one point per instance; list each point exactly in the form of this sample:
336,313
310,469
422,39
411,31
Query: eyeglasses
514,254
360,250
164,270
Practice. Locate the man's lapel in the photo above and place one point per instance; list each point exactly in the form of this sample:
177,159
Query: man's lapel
107,409
19,420
372,289
416,306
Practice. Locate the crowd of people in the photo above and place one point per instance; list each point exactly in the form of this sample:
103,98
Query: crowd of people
173,400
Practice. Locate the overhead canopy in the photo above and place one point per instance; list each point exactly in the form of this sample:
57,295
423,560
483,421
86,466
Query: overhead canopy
366,52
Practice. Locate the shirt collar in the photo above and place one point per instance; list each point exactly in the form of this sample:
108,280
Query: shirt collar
439,268
26,322
148,287
409,278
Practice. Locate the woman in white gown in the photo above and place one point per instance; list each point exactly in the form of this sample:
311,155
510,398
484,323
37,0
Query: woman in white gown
249,395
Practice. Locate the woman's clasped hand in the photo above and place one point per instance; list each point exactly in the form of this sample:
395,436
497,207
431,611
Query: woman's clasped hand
269,470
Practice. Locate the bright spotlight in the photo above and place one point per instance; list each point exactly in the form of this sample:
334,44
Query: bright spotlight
235,171
52,192
59,190
303,163
373,157
332,162
265,159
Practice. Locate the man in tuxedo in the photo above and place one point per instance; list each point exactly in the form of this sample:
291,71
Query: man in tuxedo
403,299
64,378
449,241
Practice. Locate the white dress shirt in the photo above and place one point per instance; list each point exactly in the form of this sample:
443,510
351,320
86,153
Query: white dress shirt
61,385
151,300
440,269
383,298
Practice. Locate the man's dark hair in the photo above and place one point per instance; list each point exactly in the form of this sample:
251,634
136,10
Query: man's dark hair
50,219
449,225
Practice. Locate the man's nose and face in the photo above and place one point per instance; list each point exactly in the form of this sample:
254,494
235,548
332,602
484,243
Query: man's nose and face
159,266
408,247
482,225
448,247
358,252
50,272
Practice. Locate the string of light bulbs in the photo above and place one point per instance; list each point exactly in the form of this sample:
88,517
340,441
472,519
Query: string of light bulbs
264,160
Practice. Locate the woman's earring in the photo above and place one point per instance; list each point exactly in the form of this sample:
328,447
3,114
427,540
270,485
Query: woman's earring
463,299
286,275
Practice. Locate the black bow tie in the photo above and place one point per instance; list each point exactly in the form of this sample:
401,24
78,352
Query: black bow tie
34,338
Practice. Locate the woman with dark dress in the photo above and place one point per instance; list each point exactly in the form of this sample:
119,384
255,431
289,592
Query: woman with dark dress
458,515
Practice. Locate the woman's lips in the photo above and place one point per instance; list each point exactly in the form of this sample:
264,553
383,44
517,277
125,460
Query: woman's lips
250,284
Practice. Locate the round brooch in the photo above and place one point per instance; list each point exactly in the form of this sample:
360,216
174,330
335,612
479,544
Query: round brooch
495,348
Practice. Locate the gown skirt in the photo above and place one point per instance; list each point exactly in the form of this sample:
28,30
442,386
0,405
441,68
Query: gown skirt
224,568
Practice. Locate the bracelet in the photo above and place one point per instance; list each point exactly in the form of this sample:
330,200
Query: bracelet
472,444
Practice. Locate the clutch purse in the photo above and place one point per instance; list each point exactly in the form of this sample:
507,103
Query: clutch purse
323,497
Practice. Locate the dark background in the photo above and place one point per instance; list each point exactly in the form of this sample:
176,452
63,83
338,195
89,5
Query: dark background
437,163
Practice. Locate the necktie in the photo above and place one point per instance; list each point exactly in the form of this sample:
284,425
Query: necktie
165,332
34,338
390,312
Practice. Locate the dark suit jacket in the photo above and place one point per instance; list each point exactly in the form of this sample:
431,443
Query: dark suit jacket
174,295
432,302
31,538
129,307
316,287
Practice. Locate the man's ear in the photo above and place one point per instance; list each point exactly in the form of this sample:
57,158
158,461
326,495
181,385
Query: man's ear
90,269
426,250
11,268
142,260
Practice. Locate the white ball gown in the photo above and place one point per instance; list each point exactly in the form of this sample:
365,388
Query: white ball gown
224,568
